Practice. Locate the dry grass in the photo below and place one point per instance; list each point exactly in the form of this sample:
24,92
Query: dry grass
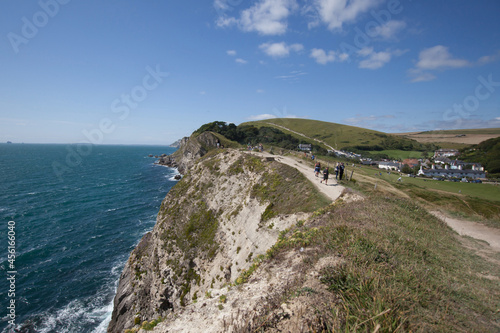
400,269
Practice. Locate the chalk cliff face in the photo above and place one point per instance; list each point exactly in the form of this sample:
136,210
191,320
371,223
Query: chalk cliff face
190,149
222,214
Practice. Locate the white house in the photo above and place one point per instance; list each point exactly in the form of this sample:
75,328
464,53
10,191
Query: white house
391,166
445,152
305,147
452,173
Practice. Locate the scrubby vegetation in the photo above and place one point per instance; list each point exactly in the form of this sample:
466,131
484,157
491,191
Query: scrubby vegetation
487,153
388,146
350,138
401,269
288,192
254,135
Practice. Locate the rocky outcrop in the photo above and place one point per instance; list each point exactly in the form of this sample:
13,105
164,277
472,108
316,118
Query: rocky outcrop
223,213
176,144
190,149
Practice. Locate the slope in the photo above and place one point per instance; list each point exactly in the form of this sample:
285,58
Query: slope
343,137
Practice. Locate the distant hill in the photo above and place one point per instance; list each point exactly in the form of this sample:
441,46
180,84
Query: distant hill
344,137
487,153
454,138
336,135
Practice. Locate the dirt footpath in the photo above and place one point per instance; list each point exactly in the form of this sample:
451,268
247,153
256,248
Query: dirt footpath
472,229
332,190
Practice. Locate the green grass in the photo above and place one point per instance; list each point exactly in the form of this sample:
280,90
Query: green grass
401,269
404,269
287,191
481,191
477,202
399,154
336,135
466,131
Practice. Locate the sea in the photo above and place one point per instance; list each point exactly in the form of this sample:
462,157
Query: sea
71,215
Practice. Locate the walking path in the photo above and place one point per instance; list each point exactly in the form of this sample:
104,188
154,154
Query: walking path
332,190
305,136
472,229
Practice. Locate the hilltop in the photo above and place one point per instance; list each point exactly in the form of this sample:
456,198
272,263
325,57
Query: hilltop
248,242
344,137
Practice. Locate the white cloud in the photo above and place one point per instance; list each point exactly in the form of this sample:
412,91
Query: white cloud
224,21
322,57
241,61
262,117
487,59
279,50
292,76
420,76
260,91
376,60
334,13
462,123
438,57
267,17
389,29
359,119
231,52
277,114
221,5
435,58
365,52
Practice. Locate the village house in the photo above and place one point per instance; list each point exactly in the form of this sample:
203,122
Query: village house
390,166
447,172
457,164
445,153
305,147
411,162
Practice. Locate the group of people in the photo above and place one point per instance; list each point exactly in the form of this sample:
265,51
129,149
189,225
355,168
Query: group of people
339,172
260,147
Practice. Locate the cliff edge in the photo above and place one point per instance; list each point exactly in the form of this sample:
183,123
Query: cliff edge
190,150
228,210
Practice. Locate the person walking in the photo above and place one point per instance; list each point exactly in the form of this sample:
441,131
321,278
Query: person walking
341,171
325,176
317,168
337,171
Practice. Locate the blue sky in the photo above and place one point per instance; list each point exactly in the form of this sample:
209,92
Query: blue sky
150,72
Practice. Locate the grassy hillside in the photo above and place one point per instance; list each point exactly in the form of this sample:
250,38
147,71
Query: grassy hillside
336,135
494,131
343,137
487,153
396,269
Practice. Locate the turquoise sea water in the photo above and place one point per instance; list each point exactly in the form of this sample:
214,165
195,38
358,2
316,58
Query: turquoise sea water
75,226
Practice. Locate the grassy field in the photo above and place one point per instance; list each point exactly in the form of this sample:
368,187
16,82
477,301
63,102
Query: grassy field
336,135
454,139
478,202
481,191
399,154
494,131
